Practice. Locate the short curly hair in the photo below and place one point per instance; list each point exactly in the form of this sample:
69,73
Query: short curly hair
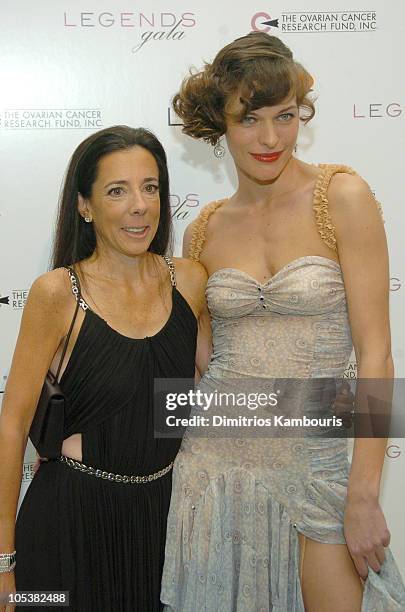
258,67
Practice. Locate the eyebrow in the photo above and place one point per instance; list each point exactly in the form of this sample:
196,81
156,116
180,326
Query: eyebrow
148,179
293,106
283,110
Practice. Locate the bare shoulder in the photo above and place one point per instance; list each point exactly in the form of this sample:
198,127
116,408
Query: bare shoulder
190,271
349,193
191,281
355,214
51,292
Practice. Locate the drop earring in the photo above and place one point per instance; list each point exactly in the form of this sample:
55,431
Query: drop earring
219,150
87,219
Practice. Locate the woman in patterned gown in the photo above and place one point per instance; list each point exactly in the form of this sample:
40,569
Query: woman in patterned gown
298,273
94,523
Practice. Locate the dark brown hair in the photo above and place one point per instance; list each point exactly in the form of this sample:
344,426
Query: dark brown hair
74,238
259,67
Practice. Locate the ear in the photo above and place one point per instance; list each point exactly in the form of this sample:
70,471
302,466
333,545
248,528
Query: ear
83,206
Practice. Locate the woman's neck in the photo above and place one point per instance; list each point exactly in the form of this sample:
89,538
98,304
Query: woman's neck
251,192
116,266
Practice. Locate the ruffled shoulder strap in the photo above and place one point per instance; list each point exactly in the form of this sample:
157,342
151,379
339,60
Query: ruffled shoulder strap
321,205
200,229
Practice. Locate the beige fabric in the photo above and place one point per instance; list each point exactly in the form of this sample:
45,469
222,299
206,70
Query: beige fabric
240,499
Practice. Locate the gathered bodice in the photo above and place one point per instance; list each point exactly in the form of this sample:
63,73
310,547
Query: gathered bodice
308,285
295,324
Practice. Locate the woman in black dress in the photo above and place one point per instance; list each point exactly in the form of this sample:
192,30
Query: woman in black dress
101,538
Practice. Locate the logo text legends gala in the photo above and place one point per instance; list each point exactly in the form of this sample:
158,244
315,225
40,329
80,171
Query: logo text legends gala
153,26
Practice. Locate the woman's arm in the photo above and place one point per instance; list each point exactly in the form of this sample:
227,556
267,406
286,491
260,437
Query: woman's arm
44,323
204,338
192,280
363,258
204,343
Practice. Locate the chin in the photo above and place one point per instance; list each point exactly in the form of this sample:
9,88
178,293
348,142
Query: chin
269,172
135,251
266,175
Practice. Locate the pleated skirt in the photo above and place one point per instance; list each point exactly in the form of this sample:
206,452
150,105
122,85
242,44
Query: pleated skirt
101,541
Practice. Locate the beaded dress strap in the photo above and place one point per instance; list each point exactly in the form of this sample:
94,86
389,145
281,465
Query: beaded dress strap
172,270
321,205
200,229
74,280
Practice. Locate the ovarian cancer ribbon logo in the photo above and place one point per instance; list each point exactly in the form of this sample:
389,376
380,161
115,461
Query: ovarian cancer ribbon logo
262,22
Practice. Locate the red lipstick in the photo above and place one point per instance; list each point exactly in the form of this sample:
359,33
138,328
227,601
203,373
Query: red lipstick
267,157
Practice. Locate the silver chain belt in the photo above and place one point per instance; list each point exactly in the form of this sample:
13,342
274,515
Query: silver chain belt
76,465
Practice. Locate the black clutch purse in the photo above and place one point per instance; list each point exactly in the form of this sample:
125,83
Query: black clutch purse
47,427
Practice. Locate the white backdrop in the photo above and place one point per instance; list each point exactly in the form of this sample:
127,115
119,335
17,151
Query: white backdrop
69,68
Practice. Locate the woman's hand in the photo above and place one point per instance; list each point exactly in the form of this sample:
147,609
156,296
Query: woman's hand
366,533
344,403
7,586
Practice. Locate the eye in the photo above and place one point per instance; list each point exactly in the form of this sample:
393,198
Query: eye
116,191
151,188
248,120
286,116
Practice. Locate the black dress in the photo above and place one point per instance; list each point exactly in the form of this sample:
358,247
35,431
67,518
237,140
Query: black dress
104,541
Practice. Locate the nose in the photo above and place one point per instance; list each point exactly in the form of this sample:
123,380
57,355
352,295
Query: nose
268,134
138,204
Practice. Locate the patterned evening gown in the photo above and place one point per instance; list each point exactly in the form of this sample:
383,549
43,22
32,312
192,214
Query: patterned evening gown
238,502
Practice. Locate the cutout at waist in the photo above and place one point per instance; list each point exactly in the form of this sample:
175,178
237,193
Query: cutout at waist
72,447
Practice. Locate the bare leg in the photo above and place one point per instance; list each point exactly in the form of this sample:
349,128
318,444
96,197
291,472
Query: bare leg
329,580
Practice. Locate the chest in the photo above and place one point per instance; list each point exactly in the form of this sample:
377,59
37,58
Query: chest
261,241
134,315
